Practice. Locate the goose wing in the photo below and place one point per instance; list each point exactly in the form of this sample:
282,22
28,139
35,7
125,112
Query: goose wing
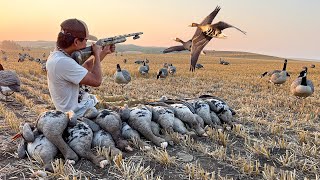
198,43
207,20
174,48
223,25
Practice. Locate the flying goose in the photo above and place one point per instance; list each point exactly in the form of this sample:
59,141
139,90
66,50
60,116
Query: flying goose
280,77
302,87
204,33
9,82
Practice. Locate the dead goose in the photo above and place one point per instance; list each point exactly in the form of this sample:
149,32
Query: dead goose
79,138
59,120
104,139
36,145
203,110
110,121
302,87
204,33
9,83
131,134
221,109
140,120
184,113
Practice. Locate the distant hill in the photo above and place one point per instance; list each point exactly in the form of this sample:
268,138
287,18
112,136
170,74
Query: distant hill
134,49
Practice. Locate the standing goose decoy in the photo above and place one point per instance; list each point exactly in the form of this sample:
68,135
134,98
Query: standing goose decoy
172,69
9,82
204,33
144,69
122,76
280,77
302,87
79,138
163,73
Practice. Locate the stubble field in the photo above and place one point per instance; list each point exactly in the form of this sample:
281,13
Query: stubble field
279,138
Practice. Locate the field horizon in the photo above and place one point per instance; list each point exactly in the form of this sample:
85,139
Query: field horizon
277,137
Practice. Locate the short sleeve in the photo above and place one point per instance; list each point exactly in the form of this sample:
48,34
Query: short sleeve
70,70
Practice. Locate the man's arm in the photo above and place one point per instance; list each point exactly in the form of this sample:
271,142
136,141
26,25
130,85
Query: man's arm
88,64
94,77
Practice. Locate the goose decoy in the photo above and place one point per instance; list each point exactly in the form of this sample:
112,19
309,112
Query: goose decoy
199,66
302,87
144,69
138,61
312,66
280,77
163,72
9,82
125,61
122,76
204,33
172,69
1,67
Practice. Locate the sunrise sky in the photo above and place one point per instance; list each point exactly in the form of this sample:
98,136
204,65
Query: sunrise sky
285,28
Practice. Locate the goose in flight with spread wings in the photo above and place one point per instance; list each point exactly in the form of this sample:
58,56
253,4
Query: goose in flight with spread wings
185,46
204,33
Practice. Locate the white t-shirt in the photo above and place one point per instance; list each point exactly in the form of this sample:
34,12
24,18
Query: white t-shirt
64,75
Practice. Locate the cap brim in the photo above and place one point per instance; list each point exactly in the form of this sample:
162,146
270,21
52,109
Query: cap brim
92,38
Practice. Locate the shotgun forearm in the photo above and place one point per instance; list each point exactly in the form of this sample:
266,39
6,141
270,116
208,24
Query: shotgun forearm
82,55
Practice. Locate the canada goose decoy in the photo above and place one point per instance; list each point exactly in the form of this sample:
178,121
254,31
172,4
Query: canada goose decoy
122,77
138,62
204,33
125,61
144,69
280,77
199,66
302,87
163,73
9,82
312,66
172,69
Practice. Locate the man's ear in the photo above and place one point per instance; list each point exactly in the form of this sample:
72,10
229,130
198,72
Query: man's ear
76,42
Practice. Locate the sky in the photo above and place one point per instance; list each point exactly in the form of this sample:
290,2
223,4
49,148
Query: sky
284,28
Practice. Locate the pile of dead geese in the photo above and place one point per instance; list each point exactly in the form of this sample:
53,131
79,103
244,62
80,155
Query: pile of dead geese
147,124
